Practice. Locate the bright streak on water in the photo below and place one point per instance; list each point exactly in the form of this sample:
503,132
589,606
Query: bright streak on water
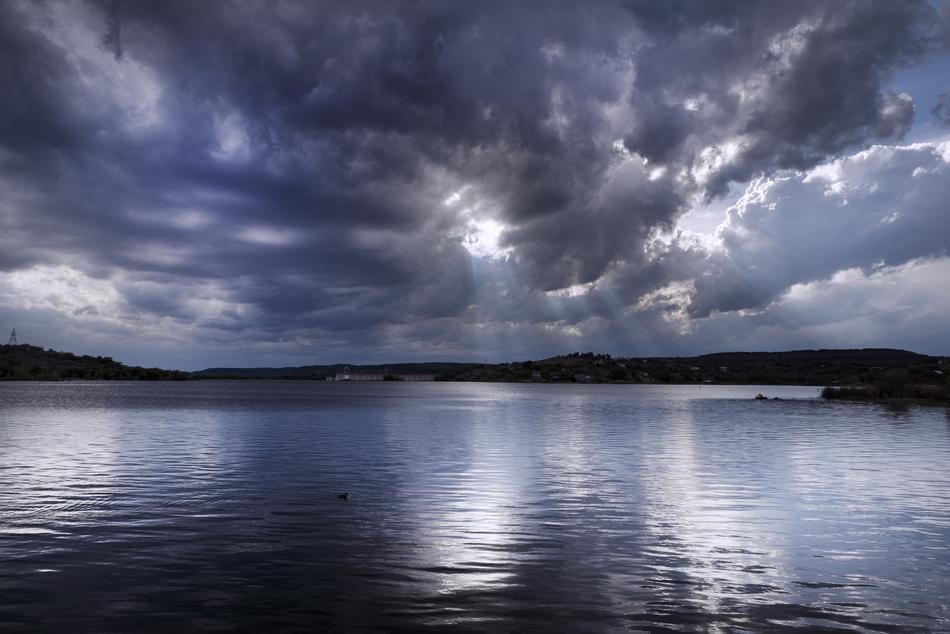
213,505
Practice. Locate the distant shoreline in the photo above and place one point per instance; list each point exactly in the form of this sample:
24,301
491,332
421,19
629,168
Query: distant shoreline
830,367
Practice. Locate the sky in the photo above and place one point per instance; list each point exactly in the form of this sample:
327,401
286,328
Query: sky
195,184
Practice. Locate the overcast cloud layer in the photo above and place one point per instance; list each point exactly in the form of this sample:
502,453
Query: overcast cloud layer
194,184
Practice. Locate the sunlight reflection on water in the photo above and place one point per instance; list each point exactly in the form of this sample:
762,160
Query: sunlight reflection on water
128,506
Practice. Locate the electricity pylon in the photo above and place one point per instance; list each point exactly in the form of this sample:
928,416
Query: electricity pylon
12,341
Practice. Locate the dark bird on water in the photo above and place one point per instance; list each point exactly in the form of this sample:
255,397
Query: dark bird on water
343,496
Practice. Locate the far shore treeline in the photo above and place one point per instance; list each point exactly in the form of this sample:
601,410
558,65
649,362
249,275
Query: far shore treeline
865,374
31,363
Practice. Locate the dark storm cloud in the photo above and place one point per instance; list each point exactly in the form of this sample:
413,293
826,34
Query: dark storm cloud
785,85
941,110
310,168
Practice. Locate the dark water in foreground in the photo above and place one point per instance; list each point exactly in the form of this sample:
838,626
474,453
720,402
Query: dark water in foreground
213,506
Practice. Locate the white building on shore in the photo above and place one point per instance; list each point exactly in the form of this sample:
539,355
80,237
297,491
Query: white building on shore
346,375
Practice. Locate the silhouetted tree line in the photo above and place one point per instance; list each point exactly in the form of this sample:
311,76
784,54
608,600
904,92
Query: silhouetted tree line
31,363
800,367
895,384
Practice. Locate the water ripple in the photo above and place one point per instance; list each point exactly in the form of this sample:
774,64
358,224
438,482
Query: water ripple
213,505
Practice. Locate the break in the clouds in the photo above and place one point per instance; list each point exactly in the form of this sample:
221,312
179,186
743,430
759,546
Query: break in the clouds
207,183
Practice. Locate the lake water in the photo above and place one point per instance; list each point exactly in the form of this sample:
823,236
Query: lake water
213,506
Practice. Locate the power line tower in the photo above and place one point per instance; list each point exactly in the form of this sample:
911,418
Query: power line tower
12,341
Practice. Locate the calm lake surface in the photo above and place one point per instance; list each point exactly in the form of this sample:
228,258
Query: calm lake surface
213,506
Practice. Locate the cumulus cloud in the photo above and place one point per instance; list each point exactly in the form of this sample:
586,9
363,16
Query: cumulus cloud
880,207
890,306
392,176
